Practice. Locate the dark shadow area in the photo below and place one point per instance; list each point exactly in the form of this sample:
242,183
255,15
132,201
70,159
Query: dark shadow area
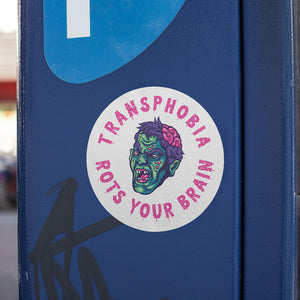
8,181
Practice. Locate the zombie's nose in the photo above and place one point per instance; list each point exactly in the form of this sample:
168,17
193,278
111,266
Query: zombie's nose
142,158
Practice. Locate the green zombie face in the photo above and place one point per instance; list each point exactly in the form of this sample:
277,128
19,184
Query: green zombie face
148,164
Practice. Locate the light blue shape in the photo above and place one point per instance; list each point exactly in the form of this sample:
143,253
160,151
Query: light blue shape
120,30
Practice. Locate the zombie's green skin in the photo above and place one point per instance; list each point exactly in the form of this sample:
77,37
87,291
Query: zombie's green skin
148,164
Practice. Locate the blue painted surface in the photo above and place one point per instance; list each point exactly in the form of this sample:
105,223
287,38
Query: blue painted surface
120,30
198,54
269,151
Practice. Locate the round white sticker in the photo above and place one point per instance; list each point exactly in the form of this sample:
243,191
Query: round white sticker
155,159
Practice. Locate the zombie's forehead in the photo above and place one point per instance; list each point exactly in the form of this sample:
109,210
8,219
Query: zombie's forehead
148,144
151,140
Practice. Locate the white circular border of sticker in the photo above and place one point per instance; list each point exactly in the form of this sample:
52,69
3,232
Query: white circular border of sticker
154,201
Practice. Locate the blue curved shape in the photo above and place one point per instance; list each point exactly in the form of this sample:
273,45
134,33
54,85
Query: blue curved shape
119,31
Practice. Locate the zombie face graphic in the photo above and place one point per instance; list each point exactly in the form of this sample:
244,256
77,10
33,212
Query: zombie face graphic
156,155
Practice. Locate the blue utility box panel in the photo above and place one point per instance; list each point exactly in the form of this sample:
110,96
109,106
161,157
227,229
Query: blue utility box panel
130,150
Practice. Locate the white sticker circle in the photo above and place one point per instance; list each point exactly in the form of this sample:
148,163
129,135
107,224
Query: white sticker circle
155,159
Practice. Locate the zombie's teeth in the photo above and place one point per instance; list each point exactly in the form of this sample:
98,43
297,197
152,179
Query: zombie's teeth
142,171
142,175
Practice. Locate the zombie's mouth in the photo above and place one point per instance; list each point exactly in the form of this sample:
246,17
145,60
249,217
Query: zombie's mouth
142,175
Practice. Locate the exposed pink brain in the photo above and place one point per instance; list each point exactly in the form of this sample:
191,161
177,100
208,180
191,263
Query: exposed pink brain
171,136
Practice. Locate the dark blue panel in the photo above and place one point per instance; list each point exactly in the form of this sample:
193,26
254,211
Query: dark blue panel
198,54
269,150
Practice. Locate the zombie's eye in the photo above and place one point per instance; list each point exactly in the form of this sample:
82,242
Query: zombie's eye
135,153
154,156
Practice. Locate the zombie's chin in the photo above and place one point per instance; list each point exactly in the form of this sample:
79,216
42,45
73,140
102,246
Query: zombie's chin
146,189
142,189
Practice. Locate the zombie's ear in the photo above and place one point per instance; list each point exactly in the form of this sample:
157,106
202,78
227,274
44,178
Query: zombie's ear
131,154
173,167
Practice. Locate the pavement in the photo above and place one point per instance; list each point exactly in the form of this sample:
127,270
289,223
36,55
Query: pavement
8,256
